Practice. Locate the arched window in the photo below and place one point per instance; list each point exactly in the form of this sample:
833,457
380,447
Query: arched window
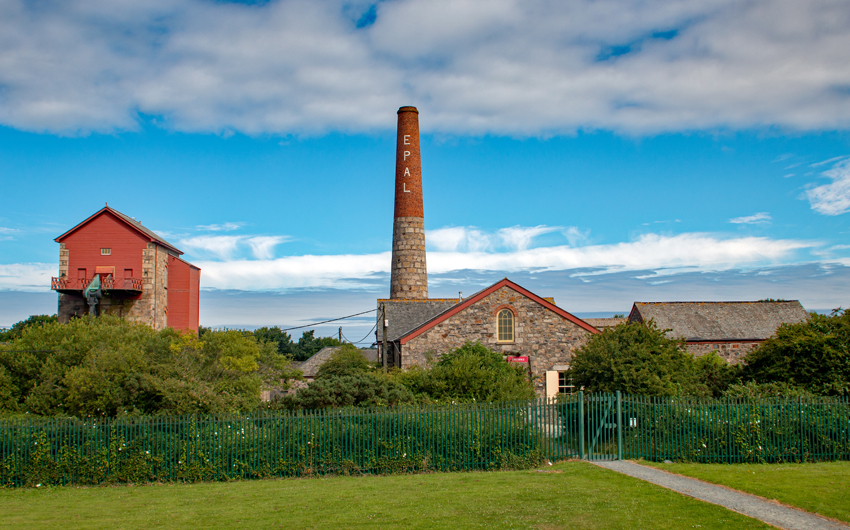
505,320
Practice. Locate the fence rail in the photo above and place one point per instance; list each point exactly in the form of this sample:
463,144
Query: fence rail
439,437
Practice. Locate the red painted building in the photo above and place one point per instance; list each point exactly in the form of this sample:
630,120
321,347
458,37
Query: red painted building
141,276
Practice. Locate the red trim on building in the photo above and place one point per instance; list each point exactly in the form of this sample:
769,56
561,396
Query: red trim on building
493,288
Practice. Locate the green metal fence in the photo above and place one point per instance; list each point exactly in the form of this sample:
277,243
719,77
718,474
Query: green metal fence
440,437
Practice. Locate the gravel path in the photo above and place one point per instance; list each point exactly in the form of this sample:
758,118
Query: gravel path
753,506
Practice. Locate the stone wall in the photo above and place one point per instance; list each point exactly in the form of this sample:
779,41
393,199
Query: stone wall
150,308
732,352
547,338
409,277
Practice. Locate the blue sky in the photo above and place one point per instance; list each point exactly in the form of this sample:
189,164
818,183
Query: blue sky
599,152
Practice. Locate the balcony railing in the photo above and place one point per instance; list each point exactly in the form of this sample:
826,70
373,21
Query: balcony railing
107,283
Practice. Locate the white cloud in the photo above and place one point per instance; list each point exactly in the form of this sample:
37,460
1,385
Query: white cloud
473,239
224,227
832,198
520,237
27,276
227,247
517,67
4,230
263,246
222,247
682,253
761,217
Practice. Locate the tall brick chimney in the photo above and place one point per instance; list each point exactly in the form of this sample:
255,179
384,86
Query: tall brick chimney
409,278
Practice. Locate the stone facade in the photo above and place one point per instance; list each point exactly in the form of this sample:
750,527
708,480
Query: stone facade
409,276
151,307
546,337
732,352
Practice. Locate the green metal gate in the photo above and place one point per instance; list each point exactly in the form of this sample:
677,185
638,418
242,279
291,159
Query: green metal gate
600,426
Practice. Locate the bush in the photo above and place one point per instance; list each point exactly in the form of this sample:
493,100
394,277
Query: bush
347,360
814,355
471,372
107,366
638,359
474,372
354,390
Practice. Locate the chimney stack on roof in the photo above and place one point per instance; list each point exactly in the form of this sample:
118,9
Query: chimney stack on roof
409,278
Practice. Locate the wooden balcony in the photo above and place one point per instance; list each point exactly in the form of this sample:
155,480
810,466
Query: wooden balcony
109,285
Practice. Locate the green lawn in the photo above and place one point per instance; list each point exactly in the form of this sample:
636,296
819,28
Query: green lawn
568,495
822,488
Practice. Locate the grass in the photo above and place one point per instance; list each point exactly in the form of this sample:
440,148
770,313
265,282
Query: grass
822,488
567,495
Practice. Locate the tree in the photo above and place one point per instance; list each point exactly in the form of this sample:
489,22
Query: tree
364,389
302,350
813,355
107,366
347,360
35,320
471,372
635,359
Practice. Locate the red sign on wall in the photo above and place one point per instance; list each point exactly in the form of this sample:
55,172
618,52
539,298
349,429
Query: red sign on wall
520,359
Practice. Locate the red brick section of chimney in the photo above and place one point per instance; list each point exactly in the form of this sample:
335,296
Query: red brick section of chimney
409,278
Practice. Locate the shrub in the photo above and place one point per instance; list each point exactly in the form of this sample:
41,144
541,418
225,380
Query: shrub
636,358
814,355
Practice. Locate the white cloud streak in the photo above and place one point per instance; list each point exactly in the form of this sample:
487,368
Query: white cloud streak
228,247
761,217
832,198
472,239
224,227
27,276
667,255
517,67
682,253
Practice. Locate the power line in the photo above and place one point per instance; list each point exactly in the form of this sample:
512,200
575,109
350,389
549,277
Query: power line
361,341
331,320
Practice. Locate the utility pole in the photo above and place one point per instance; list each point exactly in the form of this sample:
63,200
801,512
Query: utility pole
340,334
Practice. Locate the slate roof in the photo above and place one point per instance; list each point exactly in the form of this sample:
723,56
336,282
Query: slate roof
311,366
153,236
406,315
604,323
719,321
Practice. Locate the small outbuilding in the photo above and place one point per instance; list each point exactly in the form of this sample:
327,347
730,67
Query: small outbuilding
733,329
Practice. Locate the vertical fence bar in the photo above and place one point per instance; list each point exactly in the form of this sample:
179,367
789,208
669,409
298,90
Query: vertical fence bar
619,426
581,424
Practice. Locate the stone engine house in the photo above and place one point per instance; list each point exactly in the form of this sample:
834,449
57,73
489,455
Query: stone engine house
128,270
414,329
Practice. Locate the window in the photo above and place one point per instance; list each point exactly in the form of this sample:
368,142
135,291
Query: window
565,384
105,251
558,382
505,320
81,273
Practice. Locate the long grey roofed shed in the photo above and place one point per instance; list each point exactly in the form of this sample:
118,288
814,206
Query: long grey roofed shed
719,321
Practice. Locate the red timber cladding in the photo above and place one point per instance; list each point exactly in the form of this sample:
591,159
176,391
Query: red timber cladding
105,231
184,280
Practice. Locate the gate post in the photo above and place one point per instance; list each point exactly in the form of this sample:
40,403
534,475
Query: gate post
581,424
619,425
